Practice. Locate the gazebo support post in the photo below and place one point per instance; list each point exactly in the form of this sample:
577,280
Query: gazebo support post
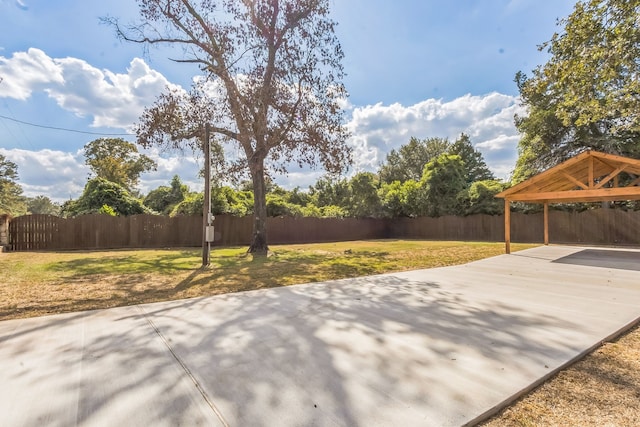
546,223
507,226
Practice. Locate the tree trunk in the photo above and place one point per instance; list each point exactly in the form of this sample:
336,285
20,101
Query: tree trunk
259,237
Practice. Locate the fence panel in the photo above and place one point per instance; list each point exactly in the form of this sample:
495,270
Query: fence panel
46,232
475,227
287,230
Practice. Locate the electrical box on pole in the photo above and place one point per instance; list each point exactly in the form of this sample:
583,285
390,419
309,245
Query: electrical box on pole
209,233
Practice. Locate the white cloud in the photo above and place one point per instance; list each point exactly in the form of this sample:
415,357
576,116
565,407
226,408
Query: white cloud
26,72
377,129
186,165
299,178
62,175
57,174
113,100
488,120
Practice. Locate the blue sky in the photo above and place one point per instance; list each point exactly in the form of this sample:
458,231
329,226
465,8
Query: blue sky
420,68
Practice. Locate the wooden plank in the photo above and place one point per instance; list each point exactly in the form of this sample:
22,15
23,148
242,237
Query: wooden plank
590,181
633,163
546,224
613,174
575,181
544,175
593,195
507,226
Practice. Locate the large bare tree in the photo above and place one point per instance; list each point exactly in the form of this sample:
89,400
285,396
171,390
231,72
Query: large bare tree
271,83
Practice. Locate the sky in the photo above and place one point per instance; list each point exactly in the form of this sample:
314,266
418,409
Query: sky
415,68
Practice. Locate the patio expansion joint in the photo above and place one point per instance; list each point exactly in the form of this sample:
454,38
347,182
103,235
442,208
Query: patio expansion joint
184,367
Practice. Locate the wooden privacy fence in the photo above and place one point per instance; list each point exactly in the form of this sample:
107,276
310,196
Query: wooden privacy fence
597,227
45,232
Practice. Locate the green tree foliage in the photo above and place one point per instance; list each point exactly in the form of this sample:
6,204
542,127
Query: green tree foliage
443,179
333,211
586,95
192,204
277,205
42,205
11,200
393,199
403,199
364,201
164,198
299,197
475,167
408,162
329,191
232,202
118,161
97,194
479,198
107,210
272,85
224,200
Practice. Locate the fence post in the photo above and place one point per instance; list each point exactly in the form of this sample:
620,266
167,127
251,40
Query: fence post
4,231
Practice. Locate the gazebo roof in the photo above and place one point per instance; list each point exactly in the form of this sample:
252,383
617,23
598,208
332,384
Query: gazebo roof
590,176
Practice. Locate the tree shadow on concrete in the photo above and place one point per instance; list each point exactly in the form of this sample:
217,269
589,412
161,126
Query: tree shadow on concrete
379,350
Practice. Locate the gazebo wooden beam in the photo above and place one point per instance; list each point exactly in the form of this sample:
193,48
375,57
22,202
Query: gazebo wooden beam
612,175
546,223
575,181
507,226
592,195
558,185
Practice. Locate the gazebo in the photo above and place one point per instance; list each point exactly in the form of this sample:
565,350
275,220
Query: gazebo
590,176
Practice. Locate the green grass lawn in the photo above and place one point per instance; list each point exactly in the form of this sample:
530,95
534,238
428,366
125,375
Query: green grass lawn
38,283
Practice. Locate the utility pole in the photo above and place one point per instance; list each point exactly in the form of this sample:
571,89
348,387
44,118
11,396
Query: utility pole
207,236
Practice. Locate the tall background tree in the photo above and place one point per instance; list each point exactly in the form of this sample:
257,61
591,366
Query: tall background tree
104,197
588,94
164,198
42,205
117,161
12,201
475,167
408,162
275,69
443,179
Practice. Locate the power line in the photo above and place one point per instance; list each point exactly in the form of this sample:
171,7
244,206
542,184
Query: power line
8,128
63,129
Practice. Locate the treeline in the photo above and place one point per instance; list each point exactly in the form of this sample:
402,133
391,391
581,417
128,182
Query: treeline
425,177
429,177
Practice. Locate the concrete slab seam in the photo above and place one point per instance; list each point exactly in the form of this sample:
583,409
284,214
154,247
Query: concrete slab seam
199,387
512,399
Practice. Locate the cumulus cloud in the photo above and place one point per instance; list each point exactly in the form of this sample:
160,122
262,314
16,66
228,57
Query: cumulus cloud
376,130
186,165
57,174
62,175
26,72
111,99
488,120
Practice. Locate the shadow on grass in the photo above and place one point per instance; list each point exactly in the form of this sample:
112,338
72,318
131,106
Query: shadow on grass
98,282
243,273
168,263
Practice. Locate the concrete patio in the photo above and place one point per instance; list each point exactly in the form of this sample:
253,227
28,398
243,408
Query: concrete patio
438,347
